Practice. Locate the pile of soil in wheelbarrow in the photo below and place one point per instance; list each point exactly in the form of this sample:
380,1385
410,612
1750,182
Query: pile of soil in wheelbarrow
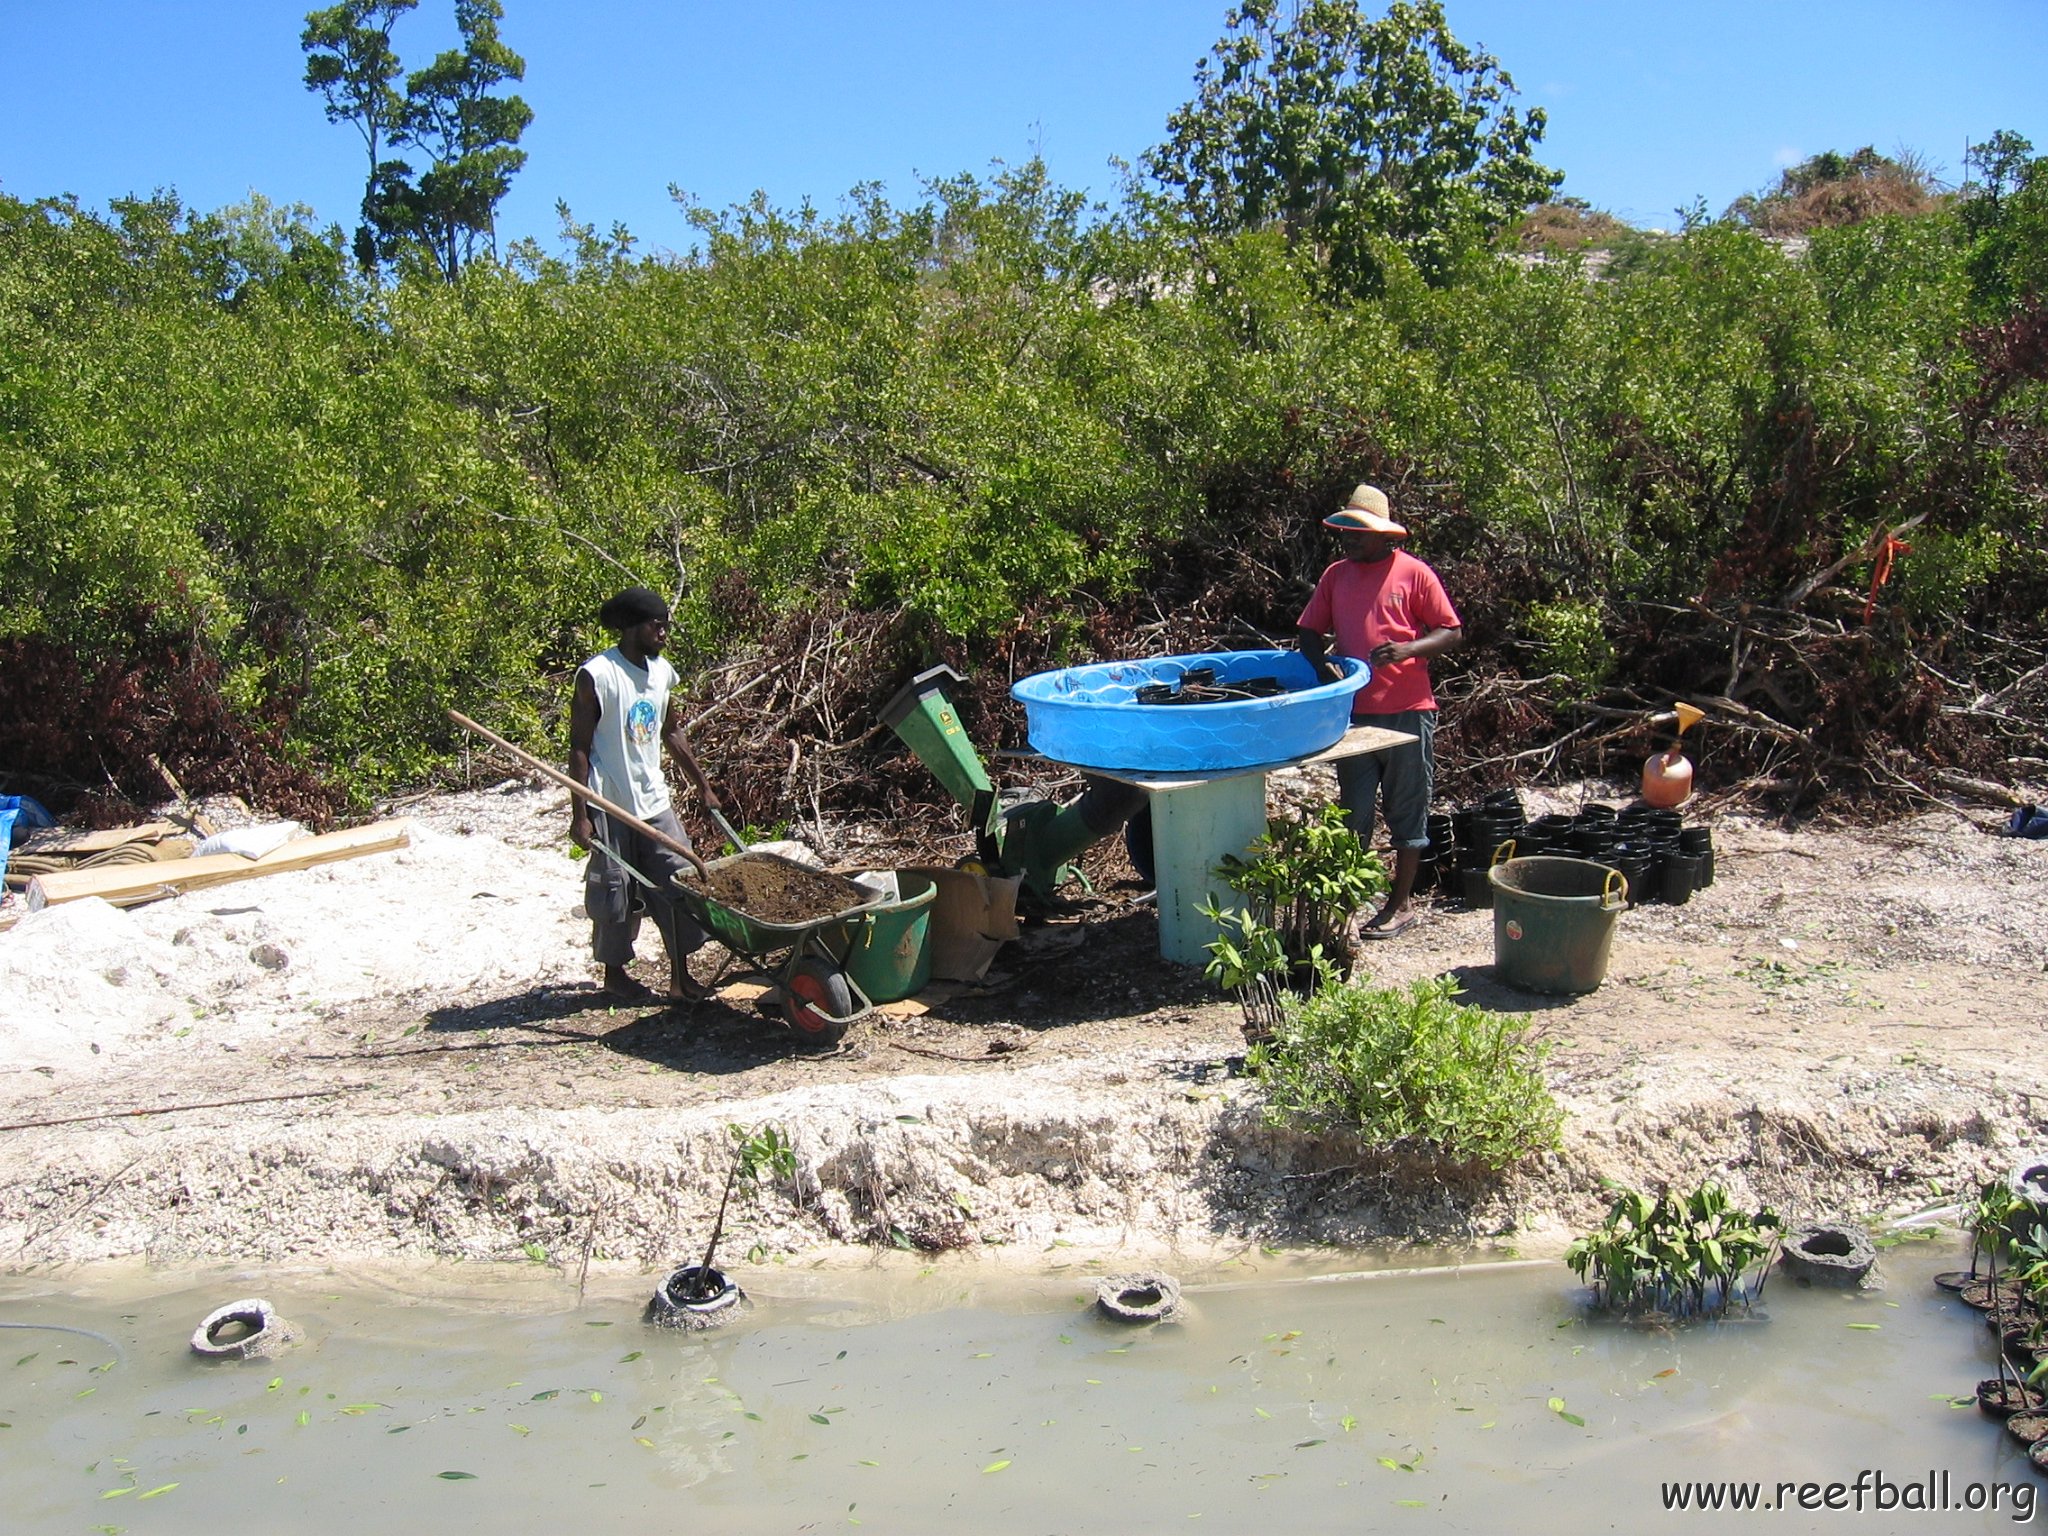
771,890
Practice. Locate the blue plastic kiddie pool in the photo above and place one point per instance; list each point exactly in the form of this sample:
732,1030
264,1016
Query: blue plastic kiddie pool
1090,716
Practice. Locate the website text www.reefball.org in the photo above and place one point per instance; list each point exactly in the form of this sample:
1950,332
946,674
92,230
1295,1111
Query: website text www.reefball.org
1868,1492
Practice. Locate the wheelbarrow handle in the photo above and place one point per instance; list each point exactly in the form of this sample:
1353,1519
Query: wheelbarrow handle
583,792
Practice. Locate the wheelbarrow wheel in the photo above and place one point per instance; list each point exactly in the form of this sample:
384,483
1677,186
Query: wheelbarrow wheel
817,1002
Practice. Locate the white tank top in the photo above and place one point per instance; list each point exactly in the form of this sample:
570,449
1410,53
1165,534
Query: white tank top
625,751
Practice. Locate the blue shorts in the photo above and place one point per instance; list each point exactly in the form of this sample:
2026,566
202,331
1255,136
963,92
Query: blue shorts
1401,781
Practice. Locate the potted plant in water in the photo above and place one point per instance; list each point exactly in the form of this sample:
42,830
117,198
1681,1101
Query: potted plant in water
1683,1256
700,1295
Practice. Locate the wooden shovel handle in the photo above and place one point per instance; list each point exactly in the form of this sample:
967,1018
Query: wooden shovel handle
582,791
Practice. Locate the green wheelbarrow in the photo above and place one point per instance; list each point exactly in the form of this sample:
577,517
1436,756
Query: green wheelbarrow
811,987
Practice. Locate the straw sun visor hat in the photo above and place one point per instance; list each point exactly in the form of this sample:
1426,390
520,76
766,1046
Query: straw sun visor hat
1366,512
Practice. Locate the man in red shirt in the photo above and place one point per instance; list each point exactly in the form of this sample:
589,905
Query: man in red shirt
1382,604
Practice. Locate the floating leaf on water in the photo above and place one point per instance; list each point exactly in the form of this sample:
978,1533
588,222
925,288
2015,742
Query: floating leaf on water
801,1456
1669,1370
1093,1381
547,1396
519,1429
165,1488
305,1418
1867,1327
1573,1418
116,1493
629,1358
275,1383
748,1413
398,1429
1261,1412
597,1397
819,1418
866,1463
1065,1340
24,1360
1347,1423
994,1466
1411,1503
597,1323
241,1429
643,1440
840,1356
1302,1445
88,1392
986,1354
456,1477
638,1422
909,1120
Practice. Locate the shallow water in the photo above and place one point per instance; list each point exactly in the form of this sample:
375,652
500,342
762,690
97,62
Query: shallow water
921,1401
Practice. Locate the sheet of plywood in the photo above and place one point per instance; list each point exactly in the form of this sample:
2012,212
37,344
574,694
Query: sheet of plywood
59,840
127,885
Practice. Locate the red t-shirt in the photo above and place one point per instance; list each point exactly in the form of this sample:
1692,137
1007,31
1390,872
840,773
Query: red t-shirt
1365,606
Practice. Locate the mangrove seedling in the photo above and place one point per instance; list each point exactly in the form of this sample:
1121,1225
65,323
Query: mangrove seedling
1990,1222
1687,1256
1304,879
755,1154
1248,960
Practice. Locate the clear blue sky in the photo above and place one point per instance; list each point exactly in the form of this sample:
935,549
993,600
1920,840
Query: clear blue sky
1651,102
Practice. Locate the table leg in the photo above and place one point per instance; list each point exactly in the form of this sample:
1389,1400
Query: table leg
1193,827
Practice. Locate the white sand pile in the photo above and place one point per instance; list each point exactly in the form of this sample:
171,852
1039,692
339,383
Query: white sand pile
453,914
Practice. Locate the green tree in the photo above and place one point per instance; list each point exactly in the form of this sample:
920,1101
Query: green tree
1345,132
451,111
2004,212
471,135
350,62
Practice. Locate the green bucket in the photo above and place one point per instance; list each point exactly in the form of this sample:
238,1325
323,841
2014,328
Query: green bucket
890,956
1553,922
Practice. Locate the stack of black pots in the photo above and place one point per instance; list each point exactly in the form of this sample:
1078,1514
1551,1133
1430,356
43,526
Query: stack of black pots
1661,858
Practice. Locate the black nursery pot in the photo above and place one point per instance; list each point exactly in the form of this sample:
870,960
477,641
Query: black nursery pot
1681,878
1699,842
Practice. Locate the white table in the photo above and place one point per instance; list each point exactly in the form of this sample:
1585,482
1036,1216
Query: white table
1198,818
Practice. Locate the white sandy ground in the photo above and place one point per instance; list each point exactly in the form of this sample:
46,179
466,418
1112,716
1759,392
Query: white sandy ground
1846,1022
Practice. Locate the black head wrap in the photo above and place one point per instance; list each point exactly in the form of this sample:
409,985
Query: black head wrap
631,608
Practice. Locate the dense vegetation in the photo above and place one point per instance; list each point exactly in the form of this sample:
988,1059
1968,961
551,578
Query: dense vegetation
263,515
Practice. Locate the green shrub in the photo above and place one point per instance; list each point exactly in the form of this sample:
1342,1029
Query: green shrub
1574,644
1413,1068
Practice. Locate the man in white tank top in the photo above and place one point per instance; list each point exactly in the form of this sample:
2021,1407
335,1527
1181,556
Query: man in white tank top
620,715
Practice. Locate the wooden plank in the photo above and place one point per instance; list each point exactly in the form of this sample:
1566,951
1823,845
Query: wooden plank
127,885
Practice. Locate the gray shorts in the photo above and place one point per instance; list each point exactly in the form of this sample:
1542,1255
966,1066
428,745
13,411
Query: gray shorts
1401,781
613,900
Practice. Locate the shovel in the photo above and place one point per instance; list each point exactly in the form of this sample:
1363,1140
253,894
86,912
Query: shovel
586,793
739,844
